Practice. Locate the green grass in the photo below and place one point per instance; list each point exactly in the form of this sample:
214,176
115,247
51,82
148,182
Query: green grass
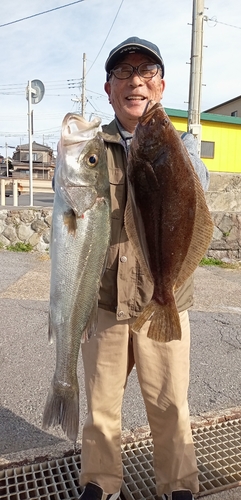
211,261
20,247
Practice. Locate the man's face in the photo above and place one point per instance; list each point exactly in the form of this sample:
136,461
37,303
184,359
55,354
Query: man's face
129,97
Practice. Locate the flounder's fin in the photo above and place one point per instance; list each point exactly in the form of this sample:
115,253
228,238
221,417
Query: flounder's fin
201,235
165,322
62,408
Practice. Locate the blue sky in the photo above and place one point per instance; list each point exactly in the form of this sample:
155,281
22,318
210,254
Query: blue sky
50,48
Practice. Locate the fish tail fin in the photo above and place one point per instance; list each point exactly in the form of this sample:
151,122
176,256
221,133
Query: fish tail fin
145,315
165,322
62,408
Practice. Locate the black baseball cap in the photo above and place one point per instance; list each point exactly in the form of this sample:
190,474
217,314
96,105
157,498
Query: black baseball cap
133,45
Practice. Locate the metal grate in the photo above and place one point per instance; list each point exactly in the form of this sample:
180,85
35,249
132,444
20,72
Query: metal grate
139,480
218,451
53,480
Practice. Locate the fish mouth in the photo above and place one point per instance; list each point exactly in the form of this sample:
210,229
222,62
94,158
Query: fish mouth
148,112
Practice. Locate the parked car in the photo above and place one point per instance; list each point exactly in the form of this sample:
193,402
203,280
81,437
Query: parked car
9,188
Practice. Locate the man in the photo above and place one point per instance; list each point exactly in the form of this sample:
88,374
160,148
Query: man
135,71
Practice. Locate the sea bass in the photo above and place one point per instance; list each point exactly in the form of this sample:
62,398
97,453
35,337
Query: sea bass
79,244
167,219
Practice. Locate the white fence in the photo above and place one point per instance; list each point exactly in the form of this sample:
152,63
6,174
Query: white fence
14,186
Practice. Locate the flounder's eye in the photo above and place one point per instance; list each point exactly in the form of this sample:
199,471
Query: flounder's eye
92,160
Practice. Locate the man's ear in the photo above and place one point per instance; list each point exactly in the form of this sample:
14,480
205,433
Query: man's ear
107,88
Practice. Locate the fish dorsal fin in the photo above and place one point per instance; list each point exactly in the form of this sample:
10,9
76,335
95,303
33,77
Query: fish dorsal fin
201,234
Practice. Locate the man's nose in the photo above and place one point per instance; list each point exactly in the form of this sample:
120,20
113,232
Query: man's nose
135,77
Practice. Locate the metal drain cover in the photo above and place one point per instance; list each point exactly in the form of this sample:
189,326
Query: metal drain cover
218,451
53,480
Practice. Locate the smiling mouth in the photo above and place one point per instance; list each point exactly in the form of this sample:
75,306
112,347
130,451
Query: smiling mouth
136,98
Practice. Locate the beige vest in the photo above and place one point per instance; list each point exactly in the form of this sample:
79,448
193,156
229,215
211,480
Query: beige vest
124,288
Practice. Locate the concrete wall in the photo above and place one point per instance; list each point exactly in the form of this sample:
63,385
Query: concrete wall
223,199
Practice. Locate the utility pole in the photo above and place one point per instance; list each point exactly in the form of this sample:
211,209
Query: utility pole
195,82
83,87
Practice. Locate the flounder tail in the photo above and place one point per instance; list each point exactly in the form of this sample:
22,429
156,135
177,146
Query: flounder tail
165,322
62,408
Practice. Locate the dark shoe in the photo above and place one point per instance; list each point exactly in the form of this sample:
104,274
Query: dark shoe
182,495
94,492
179,495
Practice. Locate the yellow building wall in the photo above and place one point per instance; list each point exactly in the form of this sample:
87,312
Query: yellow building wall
227,144
227,152
179,123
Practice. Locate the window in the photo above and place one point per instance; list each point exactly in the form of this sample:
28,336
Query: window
234,113
207,149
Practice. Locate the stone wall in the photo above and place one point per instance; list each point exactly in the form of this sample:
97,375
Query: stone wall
33,226
26,225
224,202
226,242
224,193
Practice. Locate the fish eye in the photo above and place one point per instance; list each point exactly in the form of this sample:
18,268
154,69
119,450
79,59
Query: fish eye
92,160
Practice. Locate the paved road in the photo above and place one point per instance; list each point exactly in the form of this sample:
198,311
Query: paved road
39,200
27,360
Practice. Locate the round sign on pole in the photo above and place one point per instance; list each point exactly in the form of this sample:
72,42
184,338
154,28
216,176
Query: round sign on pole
37,91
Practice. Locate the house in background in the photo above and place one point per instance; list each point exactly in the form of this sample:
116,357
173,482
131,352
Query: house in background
43,161
229,108
221,139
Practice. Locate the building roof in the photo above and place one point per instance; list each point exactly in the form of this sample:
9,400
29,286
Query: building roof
212,117
238,98
35,147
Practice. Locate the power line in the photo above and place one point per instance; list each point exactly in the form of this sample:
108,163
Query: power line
15,88
40,13
214,19
106,37
97,93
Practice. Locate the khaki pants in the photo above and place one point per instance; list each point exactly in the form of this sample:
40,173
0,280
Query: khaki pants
163,373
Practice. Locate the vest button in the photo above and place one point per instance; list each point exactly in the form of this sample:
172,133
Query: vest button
123,258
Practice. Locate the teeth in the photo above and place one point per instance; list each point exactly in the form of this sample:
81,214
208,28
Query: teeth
135,98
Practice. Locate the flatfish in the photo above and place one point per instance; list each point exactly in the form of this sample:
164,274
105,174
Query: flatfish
167,219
